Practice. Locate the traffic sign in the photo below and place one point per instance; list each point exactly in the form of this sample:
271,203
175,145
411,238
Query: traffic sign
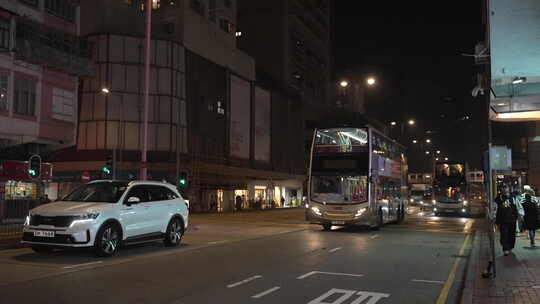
85,177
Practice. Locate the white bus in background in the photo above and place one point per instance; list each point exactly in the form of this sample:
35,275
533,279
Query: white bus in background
357,176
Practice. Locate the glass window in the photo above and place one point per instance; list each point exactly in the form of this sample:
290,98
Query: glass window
63,105
105,192
339,189
341,140
4,92
4,33
139,192
25,96
157,193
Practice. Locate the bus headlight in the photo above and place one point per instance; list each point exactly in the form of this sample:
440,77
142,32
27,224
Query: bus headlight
316,211
360,212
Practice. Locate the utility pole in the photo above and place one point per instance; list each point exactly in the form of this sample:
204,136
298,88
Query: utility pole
144,164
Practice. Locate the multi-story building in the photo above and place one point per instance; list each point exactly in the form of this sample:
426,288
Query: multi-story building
41,58
208,117
290,40
510,84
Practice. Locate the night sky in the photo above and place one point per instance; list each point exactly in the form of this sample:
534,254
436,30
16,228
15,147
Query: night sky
415,50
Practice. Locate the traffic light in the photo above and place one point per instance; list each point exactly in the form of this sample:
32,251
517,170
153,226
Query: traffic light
183,180
34,167
107,169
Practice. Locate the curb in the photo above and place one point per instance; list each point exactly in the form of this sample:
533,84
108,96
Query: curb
470,270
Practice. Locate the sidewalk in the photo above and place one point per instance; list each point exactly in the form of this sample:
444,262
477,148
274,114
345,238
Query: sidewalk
518,275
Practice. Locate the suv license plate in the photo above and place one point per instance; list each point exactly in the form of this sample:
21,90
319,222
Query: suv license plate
338,222
41,233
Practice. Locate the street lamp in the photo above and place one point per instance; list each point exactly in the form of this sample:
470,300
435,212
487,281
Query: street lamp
371,81
411,122
344,83
446,158
427,152
393,123
415,141
438,151
428,141
119,132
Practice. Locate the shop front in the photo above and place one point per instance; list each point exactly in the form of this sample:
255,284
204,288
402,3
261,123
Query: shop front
19,193
275,194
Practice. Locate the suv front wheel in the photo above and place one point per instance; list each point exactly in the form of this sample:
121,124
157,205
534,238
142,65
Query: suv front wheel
107,240
174,233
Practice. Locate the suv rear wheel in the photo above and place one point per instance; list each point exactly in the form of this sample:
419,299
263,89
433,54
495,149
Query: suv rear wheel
174,233
107,240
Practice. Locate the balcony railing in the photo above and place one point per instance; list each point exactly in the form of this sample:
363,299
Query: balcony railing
51,48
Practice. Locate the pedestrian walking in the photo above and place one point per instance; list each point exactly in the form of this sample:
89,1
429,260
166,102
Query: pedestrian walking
239,202
508,209
530,218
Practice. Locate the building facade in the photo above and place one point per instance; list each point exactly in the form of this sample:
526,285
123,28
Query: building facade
290,40
209,116
41,59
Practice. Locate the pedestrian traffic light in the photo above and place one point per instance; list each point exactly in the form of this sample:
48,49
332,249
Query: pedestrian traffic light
34,166
107,169
183,180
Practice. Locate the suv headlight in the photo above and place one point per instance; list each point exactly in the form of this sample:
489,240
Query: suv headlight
84,218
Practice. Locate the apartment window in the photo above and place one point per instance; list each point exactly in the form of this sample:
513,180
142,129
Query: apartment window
30,2
61,8
4,33
63,104
4,92
197,6
24,102
226,26
212,11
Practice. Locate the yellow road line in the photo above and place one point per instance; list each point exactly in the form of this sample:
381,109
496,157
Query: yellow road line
452,276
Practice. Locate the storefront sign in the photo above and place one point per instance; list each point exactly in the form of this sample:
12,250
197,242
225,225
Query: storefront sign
85,177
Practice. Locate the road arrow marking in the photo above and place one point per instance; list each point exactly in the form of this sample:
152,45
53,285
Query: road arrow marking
82,265
428,281
328,273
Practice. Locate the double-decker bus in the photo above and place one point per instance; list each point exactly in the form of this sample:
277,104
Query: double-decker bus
357,176
450,189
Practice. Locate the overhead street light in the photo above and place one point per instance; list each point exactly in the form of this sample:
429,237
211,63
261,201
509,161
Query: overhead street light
105,90
371,81
446,158
415,141
438,151
393,123
428,141
344,83
411,122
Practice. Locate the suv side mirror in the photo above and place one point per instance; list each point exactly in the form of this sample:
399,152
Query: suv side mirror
133,200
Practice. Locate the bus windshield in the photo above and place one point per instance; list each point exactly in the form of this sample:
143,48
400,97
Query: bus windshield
339,189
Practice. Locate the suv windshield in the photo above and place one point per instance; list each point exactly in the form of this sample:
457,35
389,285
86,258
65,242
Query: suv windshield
339,189
106,192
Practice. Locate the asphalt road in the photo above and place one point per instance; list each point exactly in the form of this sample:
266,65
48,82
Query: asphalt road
225,260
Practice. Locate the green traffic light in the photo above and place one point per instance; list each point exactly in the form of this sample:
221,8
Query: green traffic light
106,170
182,182
32,172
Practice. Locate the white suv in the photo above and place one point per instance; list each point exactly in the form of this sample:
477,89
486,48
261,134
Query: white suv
107,214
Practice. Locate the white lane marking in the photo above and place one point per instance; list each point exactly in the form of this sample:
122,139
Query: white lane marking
428,281
374,236
335,249
244,281
82,265
217,242
372,297
264,293
328,273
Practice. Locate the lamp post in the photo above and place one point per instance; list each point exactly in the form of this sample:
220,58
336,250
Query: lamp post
120,132
345,84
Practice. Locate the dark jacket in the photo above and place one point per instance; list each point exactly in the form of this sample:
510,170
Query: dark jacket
507,209
531,213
